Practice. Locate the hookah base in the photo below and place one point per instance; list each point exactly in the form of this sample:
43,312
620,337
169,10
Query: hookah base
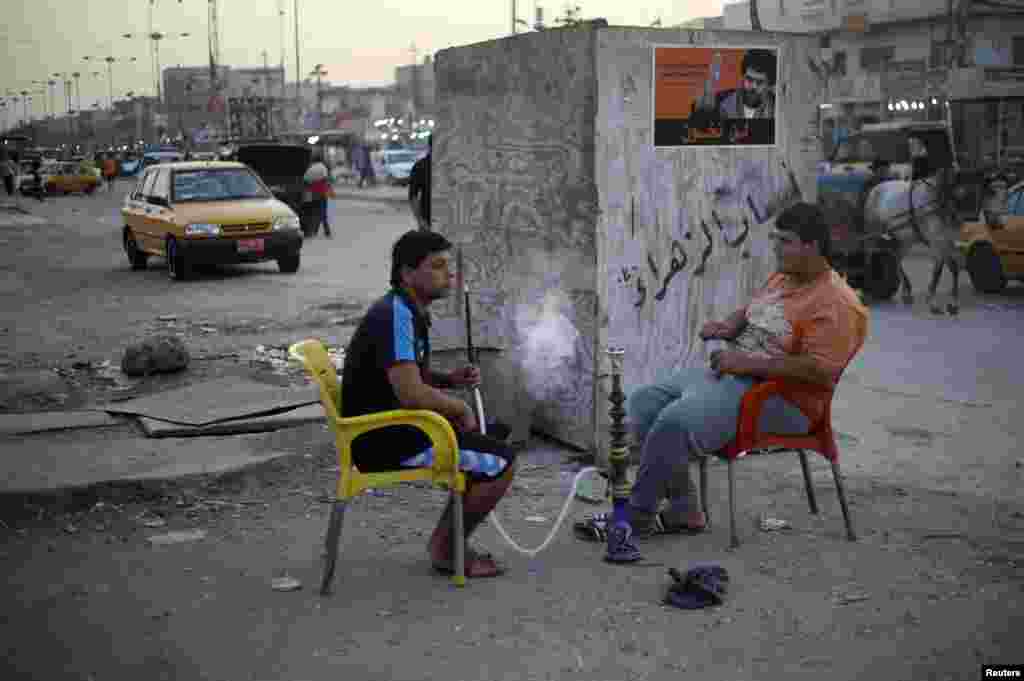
621,547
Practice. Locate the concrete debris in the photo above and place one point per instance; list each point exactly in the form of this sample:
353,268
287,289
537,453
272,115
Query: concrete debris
180,537
285,584
773,524
159,354
277,358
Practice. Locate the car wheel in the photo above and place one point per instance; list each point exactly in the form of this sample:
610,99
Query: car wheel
136,257
177,266
986,270
883,279
289,264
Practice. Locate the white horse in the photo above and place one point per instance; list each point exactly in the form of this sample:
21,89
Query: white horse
919,210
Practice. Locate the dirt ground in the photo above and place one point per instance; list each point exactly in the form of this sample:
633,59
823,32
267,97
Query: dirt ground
932,589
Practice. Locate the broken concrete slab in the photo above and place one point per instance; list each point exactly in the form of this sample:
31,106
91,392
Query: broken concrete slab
39,422
308,414
210,402
74,460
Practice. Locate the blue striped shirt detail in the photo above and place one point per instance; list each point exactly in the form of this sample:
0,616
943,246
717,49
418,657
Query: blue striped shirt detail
402,330
469,462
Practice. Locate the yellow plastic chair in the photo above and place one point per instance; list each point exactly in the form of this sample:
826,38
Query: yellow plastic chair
351,482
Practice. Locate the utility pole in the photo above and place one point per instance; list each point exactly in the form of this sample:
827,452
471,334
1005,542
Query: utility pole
318,72
298,68
266,91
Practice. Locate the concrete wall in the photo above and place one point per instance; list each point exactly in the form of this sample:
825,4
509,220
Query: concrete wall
546,176
656,204
514,186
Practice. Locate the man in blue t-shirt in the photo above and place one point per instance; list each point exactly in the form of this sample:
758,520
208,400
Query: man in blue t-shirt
387,366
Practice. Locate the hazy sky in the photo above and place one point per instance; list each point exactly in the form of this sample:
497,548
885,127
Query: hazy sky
360,43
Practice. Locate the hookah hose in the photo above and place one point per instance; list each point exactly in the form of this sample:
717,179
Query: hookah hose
481,419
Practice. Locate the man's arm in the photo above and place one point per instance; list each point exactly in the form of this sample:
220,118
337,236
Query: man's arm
413,393
790,367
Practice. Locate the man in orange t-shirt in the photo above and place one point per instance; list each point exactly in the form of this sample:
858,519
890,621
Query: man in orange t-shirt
804,325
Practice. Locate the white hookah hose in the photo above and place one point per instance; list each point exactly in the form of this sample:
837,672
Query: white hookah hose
492,516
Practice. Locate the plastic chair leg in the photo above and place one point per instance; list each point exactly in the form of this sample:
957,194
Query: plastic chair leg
842,501
704,489
331,545
807,481
459,540
735,538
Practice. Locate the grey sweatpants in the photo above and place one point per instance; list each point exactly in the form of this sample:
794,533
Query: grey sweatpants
689,413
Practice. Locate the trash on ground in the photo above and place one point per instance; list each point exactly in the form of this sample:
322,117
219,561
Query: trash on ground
154,522
537,519
179,537
285,584
846,599
773,524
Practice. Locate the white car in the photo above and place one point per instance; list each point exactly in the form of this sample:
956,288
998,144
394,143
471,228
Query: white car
397,165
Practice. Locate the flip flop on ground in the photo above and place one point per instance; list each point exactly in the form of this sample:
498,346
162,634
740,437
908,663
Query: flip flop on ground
595,528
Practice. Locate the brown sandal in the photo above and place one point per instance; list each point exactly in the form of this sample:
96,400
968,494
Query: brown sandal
478,564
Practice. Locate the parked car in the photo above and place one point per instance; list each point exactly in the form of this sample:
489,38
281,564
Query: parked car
66,177
26,180
398,164
994,244
281,166
207,213
155,157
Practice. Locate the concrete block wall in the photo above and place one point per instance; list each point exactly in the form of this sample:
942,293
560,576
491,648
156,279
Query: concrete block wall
545,175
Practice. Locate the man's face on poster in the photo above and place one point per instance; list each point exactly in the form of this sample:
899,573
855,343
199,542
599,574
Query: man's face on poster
755,87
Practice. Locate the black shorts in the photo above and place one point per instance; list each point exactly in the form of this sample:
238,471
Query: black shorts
482,457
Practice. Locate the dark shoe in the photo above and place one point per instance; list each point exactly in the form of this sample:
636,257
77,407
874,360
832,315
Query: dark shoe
621,548
701,586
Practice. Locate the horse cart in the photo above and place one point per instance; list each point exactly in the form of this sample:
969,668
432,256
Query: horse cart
868,249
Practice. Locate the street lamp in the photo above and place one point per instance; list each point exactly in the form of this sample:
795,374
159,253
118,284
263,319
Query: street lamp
46,109
155,37
110,73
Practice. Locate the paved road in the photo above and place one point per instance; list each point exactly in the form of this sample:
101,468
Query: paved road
67,283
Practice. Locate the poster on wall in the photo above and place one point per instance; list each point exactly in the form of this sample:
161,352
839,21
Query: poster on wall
714,96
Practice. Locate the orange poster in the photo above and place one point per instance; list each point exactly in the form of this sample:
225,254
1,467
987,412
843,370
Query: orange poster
711,96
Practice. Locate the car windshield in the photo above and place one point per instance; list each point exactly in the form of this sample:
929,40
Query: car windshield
217,185
402,157
866,147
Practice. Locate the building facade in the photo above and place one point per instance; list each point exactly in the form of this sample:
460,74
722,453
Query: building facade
893,60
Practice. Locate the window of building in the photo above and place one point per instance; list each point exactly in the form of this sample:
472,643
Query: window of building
874,58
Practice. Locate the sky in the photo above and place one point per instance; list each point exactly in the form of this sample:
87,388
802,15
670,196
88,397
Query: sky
359,43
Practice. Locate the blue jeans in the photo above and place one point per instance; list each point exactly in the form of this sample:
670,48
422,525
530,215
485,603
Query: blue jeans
690,413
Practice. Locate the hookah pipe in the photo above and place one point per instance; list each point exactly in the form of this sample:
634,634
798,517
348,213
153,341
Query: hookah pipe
481,420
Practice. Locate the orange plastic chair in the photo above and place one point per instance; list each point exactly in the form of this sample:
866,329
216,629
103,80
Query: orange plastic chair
351,482
820,438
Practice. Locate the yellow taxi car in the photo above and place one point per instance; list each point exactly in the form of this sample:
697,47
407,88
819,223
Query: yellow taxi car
994,244
207,213
67,176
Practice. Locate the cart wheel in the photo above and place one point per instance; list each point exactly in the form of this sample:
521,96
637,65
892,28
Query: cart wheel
883,279
985,269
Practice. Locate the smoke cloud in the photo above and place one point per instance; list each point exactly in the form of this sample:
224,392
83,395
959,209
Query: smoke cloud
548,339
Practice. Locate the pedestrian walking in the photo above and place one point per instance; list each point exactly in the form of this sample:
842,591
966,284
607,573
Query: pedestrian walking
37,180
8,173
419,188
319,181
110,171
365,165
